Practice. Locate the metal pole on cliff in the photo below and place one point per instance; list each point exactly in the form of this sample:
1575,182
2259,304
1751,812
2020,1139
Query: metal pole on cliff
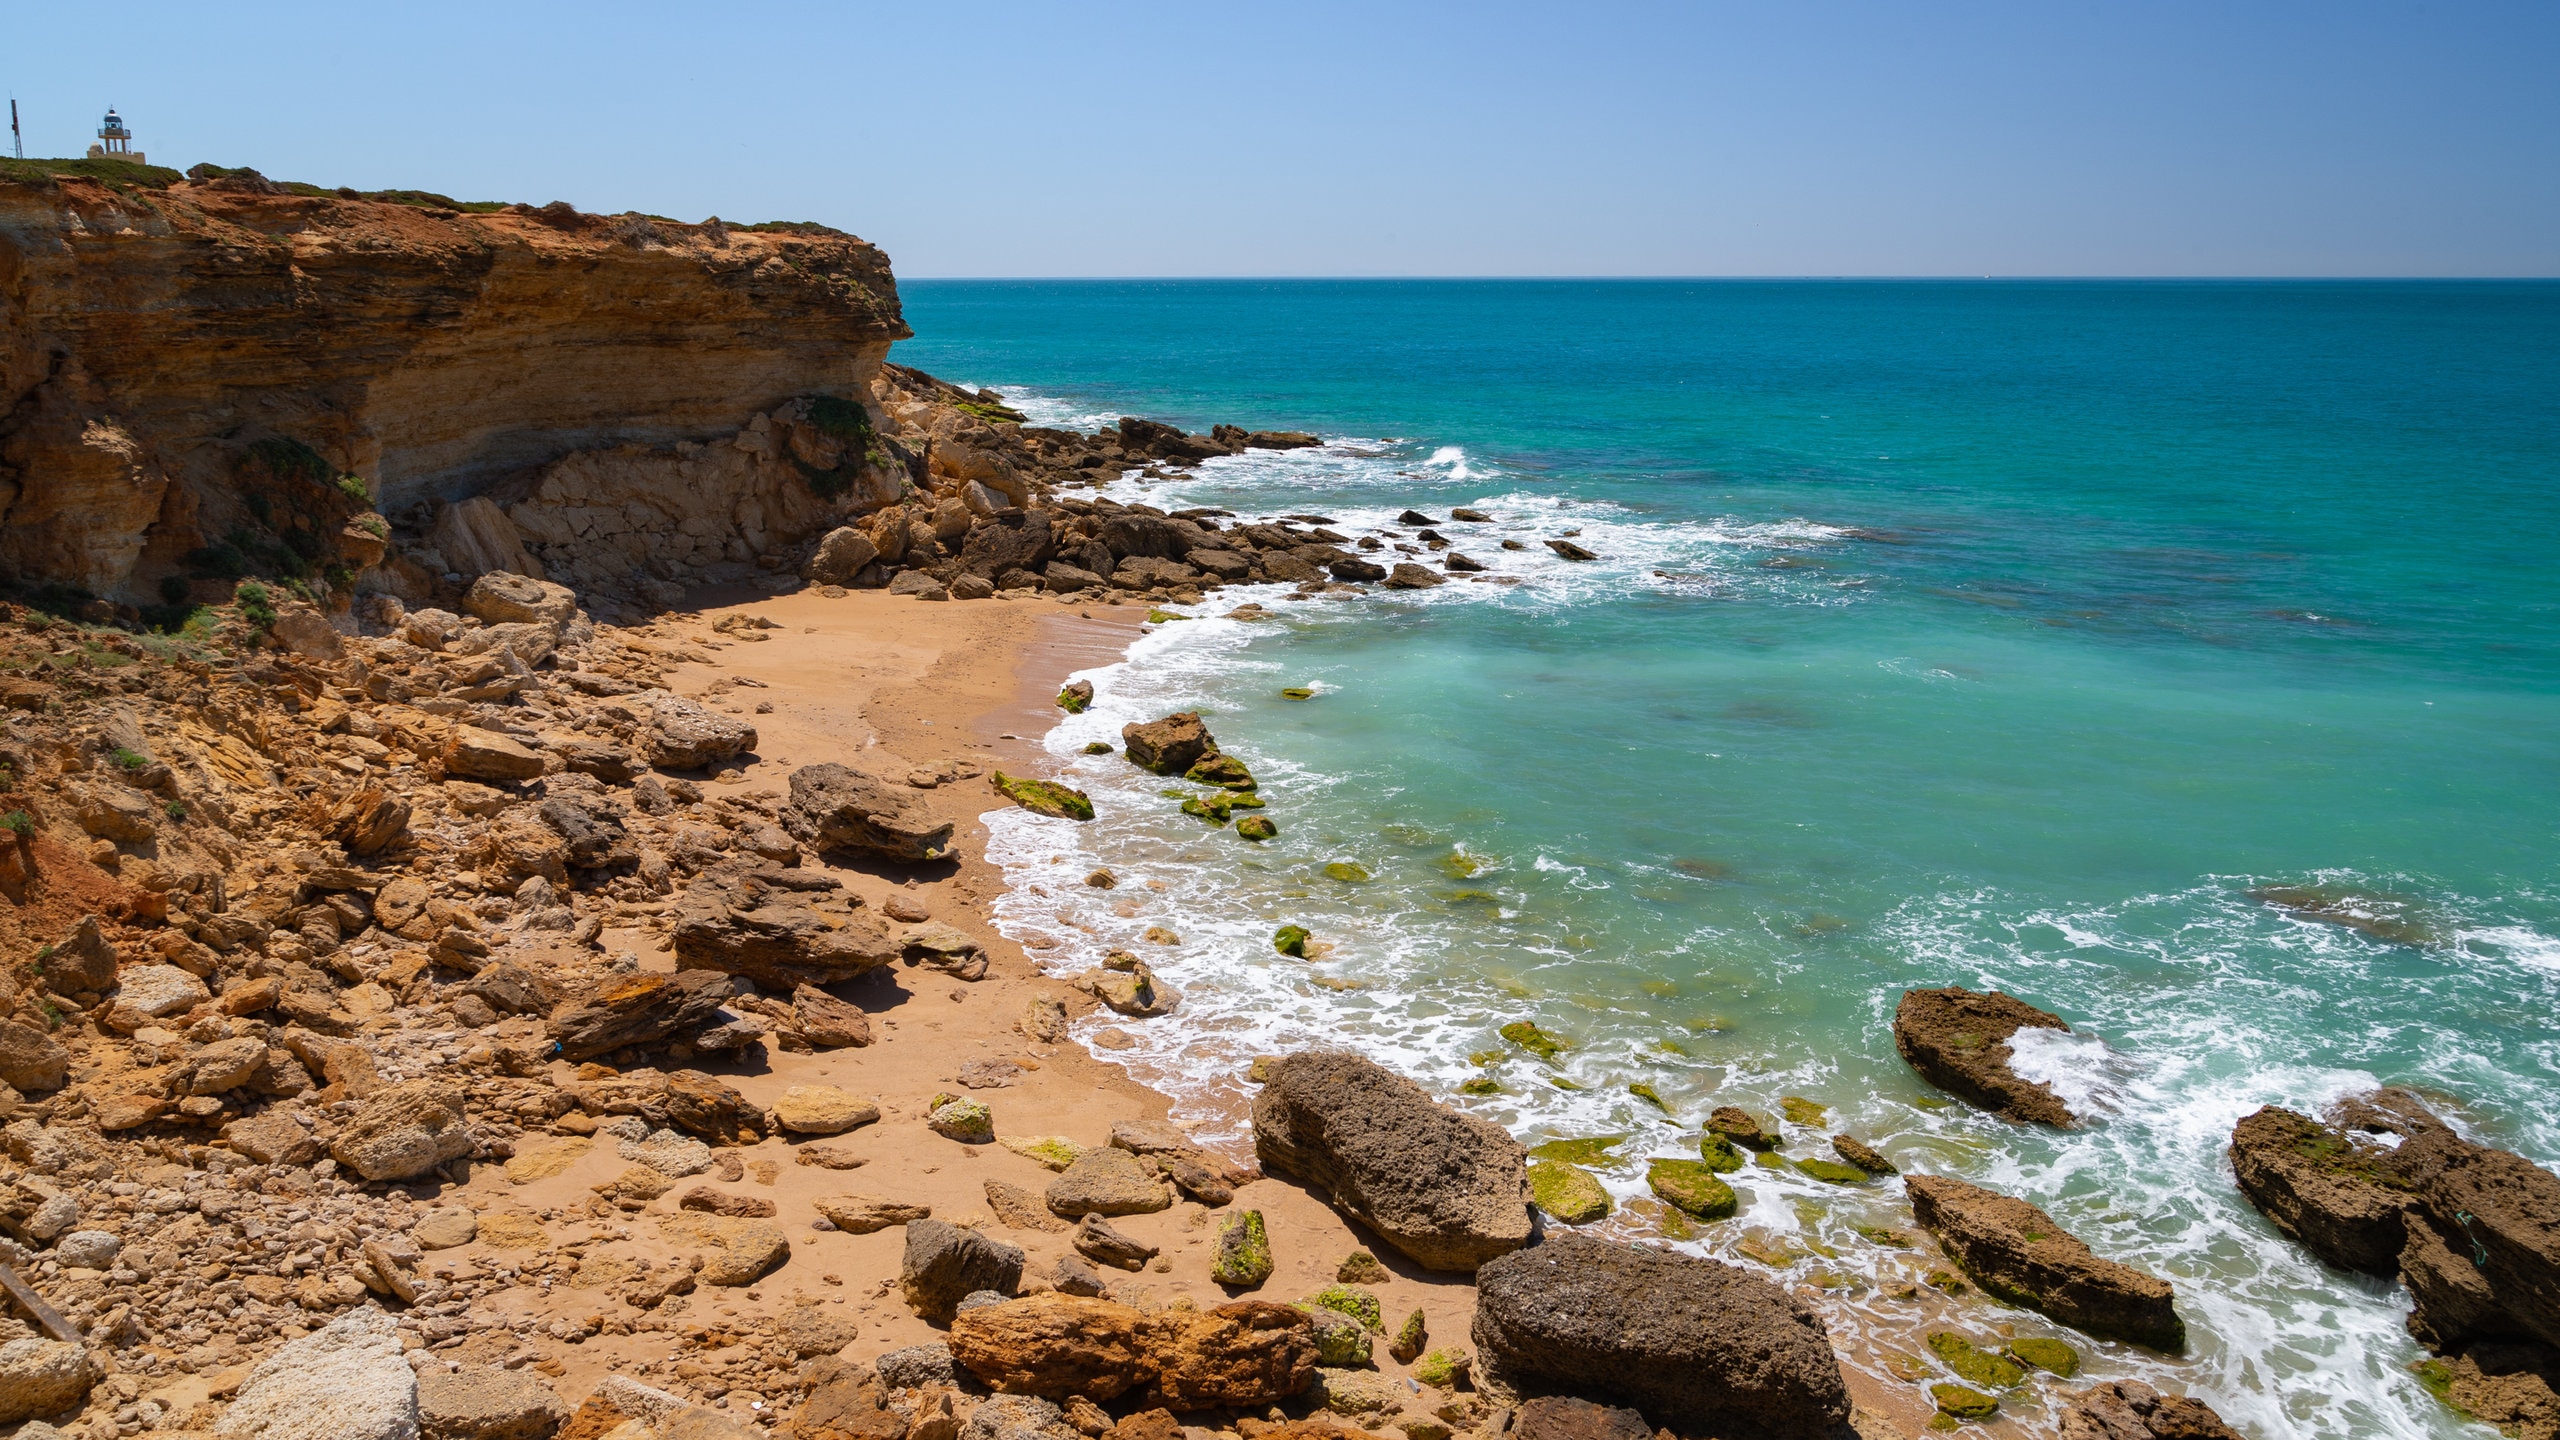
16,142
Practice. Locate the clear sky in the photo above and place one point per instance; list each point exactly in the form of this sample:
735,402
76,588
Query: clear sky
2046,137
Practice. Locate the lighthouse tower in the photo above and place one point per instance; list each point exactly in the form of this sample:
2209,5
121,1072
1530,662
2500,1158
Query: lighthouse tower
115,142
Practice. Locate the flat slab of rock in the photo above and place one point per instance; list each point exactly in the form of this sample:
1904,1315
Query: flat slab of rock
780,943
483,1402
836,807
2324,1188
2017,1253
344,1381
822,1110
1698,1346
682,735
1958,1040
736,1251
863,1214
1107,1181
638,1010
1447,1189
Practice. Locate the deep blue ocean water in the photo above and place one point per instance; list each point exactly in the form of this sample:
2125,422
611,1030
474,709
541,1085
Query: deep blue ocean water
2002,634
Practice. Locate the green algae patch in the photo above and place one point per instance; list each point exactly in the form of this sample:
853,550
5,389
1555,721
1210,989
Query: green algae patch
1800,1111
1568,1192
1054,1152
1360,1268
1297,692
1290,940
1481,1085
1097,747
1340,1340
1832,1172
1884,1235
1593,1151
1409,1339
1044,797
1218,806
1962,1402
1644,1091
1564,1082
1244,1252
1346,871
1222,770
2051,1356
1359,1303
1163,617
1076,697
1527,1035
1458,865
1445,1368
1971,1362
1256,827
1690,1187
1719,1154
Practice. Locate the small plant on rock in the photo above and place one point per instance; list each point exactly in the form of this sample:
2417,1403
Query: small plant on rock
257,605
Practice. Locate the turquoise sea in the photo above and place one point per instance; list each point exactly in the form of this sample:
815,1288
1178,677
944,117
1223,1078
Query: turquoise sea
2001,634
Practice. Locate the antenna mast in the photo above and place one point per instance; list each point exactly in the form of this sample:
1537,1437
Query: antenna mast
16,142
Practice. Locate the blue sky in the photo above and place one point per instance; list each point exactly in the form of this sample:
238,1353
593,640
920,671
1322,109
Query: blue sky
2047,138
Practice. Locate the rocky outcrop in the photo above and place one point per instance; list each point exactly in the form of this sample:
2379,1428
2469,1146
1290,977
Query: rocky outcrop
640,1010
1168,746
2320,1186
1698,1346
2499,1214
1447,1189
776,938
406,1130
2017,1253
1959,1041
836,807
1247,1353
2131,1410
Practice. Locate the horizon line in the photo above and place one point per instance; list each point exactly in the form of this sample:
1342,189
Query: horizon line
1850,278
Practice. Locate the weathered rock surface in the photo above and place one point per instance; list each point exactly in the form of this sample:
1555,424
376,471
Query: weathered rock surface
822,1110
2501,1213
1055,1346
2322,1187
1959,1041
682,735
31,1061
736,1250
638,1010
1107,1180
1449,1190
780,941
1698,1346
405,1130
1169,746
1557,1417
835,807
482,1402
344,1381
944,1262
1247,1352
2018,1253
40,1377
2131,1410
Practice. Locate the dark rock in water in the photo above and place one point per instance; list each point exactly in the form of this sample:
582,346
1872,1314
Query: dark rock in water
2017,1253
1559,1417
1415,517
1570,551
1959,1041
2384,917
1859,1153
1357,570
2131,1410
1450,1190
1741,1127
1280,440
1458,564
836,807
2334,1195
1698,1346
1477,517
2500,1212
1168,746
1408,576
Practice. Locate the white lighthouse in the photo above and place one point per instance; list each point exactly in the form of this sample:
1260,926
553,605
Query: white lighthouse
115,142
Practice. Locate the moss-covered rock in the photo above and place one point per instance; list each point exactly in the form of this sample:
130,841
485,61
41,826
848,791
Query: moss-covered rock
1591,1151
1566,1082
1692,1188
1097,747
1358,1302
1076,696
1445,1367
1861,1154
1296,692
1346,871
1800,1111
1567,1192
1256,827
1643,1090
1409,1339
1244,1251
961,1119
1832,1172
2051,1356
1043,797
1973,1363
1741,1127
1054,1152
1720,1154
1481,1085
1962,1402
1340,1340
1291,940
1220,769
1527,1035
1360,1268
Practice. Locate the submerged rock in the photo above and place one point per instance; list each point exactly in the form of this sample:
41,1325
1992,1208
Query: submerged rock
1692,1187
1959,1041
2017,1253
1569,1193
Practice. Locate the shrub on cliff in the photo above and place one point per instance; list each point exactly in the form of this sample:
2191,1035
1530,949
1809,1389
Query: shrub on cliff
257,605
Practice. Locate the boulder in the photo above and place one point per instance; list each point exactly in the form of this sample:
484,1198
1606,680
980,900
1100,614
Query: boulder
1447,1189
1408,576
1560,1417
1095,1239
2323,1187
344,1381
2502,1213
1012,541
777,940
737,1250
148,992
1169,746
682,735
1697,1345
483,1402
370,821
86,961
41,1377
637,1010
31,1061
1245,1353
2017,1253
477,754
1107,1181
944,1262
840,557
406,1130
827,1022
501,598
713,1109
2131,1410
835,807
272,1137
1959,1041
1017,1417
822,1110
1055,1346
1043,797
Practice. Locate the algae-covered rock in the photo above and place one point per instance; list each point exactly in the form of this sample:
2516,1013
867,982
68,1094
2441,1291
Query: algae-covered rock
1963,1402
1527,1035
1340,1340
1719,1153
1800,1111
2051,1356
1445,1367
1168,746
1568,1193
1297,692
1591,1151
1358,1302
1075,697
1244,1252
1256,827
1043,797
1055,1152
961,1119
1360,1268
1345,871
1097,747
1741,1127
1832,1172
1973,1363
1410,1337
1220,769
1481,1085
1644,1091
1691,1187
1290,940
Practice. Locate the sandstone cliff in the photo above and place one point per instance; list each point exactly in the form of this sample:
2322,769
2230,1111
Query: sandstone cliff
188,374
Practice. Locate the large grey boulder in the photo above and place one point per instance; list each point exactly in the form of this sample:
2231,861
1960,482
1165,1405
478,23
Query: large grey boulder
344,1381
1697,1345
836,807
944,1263
1449,1190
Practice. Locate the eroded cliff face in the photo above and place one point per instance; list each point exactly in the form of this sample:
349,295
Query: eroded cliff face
188,374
